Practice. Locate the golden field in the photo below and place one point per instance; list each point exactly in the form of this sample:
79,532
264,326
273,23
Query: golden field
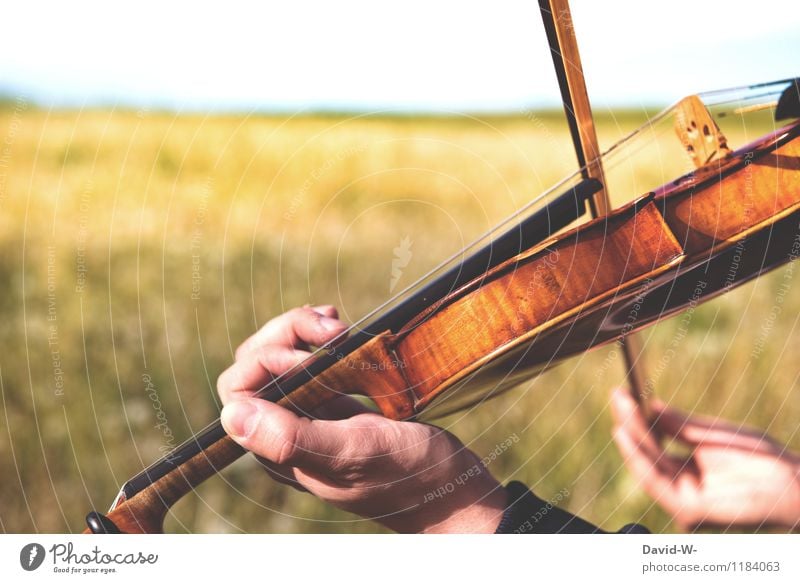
137,249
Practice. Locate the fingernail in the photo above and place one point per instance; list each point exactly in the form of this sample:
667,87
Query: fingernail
623,401
239,418
331,324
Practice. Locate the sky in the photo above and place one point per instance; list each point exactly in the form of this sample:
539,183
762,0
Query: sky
434,55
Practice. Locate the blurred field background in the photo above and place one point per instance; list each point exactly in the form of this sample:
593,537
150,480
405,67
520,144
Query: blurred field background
137,249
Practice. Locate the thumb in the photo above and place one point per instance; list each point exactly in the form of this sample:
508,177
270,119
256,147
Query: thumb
277,434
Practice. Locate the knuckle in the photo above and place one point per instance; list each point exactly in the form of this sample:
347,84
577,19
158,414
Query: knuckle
364,455
353,470
242,350
286,442
225,382
301,313
326,310
275,360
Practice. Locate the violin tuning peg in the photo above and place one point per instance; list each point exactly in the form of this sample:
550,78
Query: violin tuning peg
101,524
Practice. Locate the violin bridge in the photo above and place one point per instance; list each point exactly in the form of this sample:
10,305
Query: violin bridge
698,132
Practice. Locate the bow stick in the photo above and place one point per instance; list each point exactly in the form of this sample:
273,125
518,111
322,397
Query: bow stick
567,63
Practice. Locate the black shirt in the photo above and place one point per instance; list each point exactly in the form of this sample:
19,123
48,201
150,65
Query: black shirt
528,514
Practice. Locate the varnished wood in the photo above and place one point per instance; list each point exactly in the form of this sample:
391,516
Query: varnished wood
695,238
734,218
145,512
536,288
705,211
567,60
374,371
565,50
731,222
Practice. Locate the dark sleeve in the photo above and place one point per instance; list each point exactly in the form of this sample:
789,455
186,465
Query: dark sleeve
528,514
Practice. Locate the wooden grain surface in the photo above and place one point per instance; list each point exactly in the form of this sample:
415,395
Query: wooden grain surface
576,281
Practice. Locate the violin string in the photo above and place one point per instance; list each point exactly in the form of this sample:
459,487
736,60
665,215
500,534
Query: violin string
611,158
611,153
362,322
709,94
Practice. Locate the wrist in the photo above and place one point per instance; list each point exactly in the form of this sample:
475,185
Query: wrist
475,506
479,513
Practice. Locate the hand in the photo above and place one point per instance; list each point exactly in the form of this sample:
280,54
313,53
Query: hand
410,477
734,476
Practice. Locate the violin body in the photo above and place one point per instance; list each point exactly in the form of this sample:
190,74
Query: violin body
692,239
687,242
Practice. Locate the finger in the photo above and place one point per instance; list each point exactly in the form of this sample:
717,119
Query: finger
277,434
697,430
650,474
630,422
629,418
672,483
297,328
248,375
326,310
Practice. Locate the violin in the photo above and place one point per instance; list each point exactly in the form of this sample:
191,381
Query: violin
541,290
